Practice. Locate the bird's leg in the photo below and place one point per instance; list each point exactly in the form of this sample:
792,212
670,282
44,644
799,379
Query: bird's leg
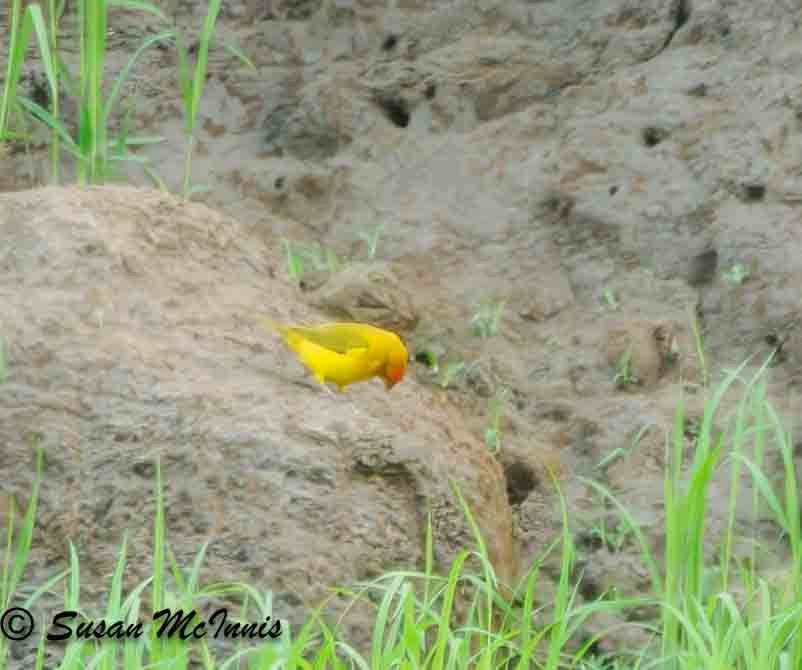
339,396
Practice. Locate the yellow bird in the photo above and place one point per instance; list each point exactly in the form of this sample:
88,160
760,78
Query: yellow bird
345,353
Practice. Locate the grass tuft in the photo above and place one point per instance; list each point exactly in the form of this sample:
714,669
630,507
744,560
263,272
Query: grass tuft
714,608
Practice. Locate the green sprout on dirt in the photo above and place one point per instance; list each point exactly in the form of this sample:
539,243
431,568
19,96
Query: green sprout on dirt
737,274
295,263
486,320
496,407
299,256
609,298
624,375
322,258
192,81
451,371
698,339
371,238
620,452
612,535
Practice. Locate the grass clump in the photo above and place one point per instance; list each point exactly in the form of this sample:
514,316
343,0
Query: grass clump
714,610
192,80
96,151
300,258
724,613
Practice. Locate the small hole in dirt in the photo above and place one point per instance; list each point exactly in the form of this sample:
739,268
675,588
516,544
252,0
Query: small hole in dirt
772,339
589,589
702,268
396,110
389,43
652,136
595,650
754,192
683,14
521,481
40,93
613,190
144,470
587,541
289,598
431,90
558,206
279,183
698,90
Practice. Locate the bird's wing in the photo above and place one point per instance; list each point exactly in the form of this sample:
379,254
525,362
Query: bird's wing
342,338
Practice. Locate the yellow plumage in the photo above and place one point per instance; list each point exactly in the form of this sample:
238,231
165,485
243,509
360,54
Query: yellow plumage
345,353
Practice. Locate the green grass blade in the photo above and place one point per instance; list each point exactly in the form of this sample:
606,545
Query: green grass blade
201,64
41,114
20,27
125,73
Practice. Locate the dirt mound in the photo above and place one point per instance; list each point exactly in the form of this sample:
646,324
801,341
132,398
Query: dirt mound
127,315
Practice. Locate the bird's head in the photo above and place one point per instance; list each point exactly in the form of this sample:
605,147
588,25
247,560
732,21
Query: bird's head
396,366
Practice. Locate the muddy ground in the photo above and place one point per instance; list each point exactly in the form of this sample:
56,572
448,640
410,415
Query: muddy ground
605,168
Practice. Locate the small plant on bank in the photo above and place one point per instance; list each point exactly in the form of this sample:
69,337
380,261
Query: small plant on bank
624,376
738,273
371,238
486,320
295,262
451,371
496,406
609,298
620,452
322,259
192,81
612,535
